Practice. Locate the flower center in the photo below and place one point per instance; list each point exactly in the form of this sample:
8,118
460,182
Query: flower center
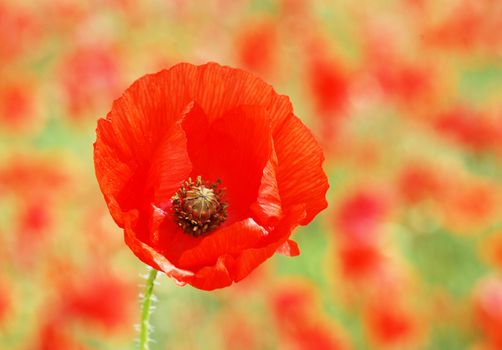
199,206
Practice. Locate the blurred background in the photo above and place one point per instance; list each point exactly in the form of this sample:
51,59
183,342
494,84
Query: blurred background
405,97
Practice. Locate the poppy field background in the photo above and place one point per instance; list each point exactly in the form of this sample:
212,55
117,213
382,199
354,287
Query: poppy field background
403,96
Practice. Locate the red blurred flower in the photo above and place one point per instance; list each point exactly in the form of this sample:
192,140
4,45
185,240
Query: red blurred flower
18,105
488,309
256,48
34,222
292,304
358,224
30,176
389,324
418,5
19,30
485,346
5,303
470,128
52,335
491,249
475,202
92,300
168,142
406,82
360,261
294,17
36,184
471,205
239,333
328,81
410,84
63,16
464,204
361,216
99,299
469,25
418,182
294,8
90,76
298,320
329,84
35,218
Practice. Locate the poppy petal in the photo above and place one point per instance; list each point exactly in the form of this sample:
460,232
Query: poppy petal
267,209
137,129
212,277
150,256
300,176
140,119
289,248
170,166
241,265
113,174
249,259
229,240
196,125
238,146
218,89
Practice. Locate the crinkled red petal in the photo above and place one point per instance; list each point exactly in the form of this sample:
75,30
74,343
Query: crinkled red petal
300,176
229,240
267,210
213,277
240,265
140,152
149,255
289,248
237,148
219,89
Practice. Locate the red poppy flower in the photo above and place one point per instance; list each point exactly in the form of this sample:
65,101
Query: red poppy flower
19,31
300,322
358,262
53,335
470,205
468,26
328,81
31,176
418,182
208,171
361,216
34,224
238,332
475,130
89,76
99,299
391,325
491,250
19,109
488,309
5,304
257,47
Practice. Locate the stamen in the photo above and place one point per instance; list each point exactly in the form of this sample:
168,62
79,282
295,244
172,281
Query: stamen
199,207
